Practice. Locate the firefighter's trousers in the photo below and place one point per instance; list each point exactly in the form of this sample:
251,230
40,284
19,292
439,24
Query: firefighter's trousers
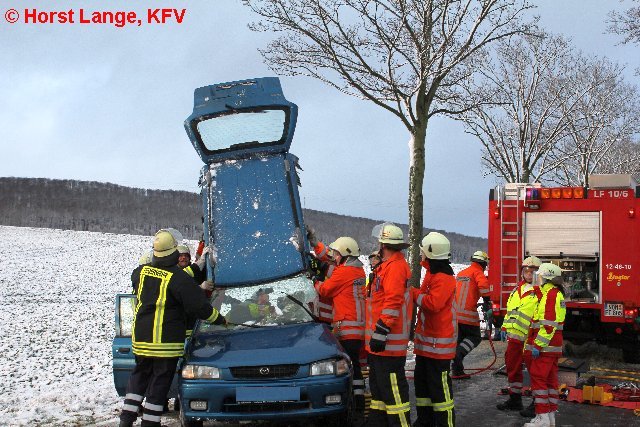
468,339
544,383
434,394
352,347
389,392
151,379
513,360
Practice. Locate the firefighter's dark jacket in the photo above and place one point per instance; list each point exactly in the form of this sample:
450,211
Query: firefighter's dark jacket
165,296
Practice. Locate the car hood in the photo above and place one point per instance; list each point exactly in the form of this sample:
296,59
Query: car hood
299,344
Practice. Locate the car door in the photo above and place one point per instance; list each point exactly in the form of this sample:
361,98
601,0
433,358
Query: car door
122,354
123,359
242,131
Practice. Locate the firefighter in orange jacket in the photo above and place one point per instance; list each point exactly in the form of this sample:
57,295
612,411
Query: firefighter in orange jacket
435,334
323,265
471,285
389,310
544,345
345,288
521,305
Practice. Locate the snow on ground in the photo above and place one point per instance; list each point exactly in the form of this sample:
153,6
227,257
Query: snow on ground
57,293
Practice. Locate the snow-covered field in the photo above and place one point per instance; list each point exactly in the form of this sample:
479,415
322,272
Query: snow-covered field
56,293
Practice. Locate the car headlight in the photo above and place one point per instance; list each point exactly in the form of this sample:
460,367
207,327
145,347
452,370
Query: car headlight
330,367
193,372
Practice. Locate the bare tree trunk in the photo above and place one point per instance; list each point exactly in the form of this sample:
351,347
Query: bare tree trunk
416,203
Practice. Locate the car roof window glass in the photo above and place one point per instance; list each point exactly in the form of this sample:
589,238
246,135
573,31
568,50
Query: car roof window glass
243,128
267,304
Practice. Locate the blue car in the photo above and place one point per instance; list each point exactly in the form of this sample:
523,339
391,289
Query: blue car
273,360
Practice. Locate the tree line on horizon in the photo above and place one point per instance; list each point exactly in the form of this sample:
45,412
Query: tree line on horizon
110,208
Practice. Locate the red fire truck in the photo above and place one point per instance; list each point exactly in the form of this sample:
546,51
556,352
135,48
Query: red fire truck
593,234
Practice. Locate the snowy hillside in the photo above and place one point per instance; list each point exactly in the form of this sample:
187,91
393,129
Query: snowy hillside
57,292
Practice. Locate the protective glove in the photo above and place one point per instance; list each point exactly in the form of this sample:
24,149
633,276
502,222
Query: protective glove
311,237
207,285
487,306
379,338
535,353
200,262
503,335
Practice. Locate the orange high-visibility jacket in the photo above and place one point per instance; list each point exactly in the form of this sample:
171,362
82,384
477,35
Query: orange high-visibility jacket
346,288
323,308
471,285
545,333
389,300
436,328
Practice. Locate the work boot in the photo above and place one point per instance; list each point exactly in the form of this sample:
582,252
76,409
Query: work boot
125,423
552,419
460,375
529,411
514,403
541,420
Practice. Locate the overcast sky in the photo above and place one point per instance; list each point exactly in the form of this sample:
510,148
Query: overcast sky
100,103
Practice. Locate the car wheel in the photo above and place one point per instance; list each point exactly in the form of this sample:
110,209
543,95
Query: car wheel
187,422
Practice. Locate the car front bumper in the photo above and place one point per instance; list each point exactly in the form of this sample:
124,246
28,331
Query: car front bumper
276,401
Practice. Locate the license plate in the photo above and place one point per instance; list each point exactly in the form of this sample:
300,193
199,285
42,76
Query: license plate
613,310
267,394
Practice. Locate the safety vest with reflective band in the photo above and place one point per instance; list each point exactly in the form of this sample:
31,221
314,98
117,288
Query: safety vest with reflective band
436,328
521,306
345,288
165,295
471,285
389,300
545,333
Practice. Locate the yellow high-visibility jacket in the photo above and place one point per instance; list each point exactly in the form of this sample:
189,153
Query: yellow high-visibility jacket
521,307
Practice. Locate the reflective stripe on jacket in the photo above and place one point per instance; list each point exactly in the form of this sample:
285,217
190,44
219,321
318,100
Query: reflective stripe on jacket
165,295
521,306
345,288
545,333
436,329
471,285
389,300
323,306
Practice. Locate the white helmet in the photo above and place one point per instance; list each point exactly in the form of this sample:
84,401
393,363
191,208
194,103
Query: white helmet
549,271
345,246
435,246
388,233
531,262
184,249
480,256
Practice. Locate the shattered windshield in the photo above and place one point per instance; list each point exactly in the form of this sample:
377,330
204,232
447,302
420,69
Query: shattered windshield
246,128
268,304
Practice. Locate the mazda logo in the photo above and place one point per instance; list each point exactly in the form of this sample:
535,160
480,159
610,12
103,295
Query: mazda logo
264,370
